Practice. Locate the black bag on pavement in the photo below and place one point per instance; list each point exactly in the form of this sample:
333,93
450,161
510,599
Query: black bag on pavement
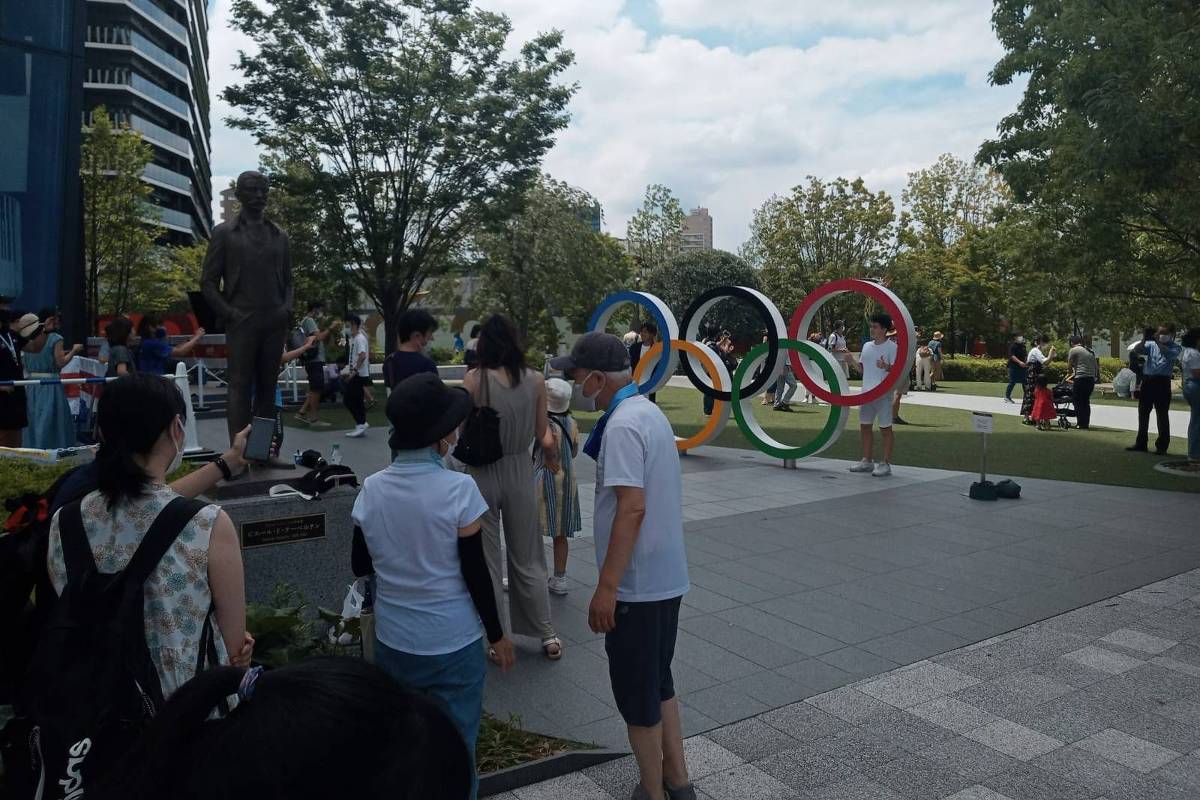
479,443
93,686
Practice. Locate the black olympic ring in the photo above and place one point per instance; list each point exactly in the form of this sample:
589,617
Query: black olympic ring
776,330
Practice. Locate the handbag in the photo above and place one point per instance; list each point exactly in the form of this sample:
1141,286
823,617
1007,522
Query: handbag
479,443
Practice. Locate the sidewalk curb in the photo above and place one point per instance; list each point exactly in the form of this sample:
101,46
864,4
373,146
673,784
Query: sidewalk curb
544,769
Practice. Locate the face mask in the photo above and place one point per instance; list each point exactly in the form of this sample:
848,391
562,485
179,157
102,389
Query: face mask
581,401
1020,340
178,460
1166,338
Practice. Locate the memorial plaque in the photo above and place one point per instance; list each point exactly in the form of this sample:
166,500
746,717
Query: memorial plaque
283,530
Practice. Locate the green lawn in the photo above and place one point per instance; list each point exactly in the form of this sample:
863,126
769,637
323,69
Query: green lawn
938,438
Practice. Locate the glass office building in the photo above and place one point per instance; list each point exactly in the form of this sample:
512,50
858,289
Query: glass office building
147,63
41,79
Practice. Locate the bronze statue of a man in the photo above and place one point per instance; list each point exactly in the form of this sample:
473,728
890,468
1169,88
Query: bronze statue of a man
247,280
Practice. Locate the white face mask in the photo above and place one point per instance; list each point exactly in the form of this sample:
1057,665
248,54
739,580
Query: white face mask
178,460
1166,338
581,401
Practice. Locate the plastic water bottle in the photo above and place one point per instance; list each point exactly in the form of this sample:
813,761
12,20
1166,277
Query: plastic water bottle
335,455
296,458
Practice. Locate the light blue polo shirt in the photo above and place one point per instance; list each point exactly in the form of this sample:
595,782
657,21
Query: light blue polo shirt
410,514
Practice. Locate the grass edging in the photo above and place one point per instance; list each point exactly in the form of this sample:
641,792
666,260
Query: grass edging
544,769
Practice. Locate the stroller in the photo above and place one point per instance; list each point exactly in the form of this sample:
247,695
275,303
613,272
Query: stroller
1064,404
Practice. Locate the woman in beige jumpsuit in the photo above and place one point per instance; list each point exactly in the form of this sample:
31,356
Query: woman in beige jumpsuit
518,394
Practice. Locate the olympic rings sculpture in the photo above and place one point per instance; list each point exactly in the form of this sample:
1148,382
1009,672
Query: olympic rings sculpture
811,364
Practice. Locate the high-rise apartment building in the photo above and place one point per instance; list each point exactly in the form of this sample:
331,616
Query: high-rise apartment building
229,204
697,231
41,96
147,63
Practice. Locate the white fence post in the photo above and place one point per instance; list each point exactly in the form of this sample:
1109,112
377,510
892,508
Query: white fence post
191,440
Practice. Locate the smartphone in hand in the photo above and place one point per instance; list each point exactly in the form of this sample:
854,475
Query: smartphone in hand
258,446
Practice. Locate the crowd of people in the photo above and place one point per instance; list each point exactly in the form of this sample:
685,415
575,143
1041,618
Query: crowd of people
484,474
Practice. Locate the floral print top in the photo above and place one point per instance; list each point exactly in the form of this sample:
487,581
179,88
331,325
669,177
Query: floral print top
177,593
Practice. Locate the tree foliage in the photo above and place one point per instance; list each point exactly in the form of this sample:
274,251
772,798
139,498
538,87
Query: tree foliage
1105,143
547,262
685,277
655,231
820,232
119,224
414,127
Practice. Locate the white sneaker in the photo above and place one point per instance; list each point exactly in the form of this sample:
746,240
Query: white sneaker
557,585
863,466
504,584
882,469
359,431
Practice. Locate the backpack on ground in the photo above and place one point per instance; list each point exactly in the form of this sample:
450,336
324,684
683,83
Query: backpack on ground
93,685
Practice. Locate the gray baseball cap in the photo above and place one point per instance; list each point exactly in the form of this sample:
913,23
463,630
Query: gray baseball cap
596,350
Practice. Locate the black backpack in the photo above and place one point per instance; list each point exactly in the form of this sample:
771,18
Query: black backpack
479,443
93,686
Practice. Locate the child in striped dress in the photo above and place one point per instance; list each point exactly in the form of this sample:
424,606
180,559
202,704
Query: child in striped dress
558,493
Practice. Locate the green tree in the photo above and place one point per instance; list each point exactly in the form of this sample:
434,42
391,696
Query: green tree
414,127
655,231
1103,145
820,232
547,262
688,275
119,224
947,208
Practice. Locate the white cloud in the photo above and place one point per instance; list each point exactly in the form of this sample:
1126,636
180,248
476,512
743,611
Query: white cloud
889,87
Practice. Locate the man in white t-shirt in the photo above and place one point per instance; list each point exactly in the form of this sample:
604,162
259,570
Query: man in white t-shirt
638,527
875,361
836,344
358,371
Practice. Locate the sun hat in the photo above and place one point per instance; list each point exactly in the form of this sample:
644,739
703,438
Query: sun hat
558,395
938,335
594,350
28,326
423,410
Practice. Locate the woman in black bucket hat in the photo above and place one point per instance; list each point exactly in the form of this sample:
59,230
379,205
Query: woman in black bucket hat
420,522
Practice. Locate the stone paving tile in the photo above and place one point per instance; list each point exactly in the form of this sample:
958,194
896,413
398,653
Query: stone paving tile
1014,740
918,778
704,757
746,782
1137,640
1104,660
618,777
978,793
1014,691
1027,782
1073,716
848,704
859,749
1177,666
804,722
953,714
1130,751
857,787
1096,773
752,739
1182,772
1162,730
918,684
906,730
802,768
969,758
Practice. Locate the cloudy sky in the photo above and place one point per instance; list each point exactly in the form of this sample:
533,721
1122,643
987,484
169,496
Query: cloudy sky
729,102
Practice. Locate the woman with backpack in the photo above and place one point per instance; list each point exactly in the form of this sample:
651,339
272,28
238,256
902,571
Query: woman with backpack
196,589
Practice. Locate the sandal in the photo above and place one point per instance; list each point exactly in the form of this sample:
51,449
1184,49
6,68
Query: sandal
552,648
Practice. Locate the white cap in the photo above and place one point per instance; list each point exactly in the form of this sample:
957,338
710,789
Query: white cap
558,395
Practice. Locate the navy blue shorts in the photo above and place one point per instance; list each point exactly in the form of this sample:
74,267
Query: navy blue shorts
640,650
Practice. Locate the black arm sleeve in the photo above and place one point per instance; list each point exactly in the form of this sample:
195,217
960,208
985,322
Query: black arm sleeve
360,557
479,584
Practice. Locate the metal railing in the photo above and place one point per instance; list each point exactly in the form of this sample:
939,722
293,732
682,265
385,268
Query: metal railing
159,173
160,56
160,135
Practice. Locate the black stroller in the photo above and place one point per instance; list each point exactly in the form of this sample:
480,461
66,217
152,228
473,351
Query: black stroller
1064,404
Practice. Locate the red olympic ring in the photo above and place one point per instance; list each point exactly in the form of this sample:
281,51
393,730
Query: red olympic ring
901,320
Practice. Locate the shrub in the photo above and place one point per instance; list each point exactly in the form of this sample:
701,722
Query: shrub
995,370
441,355
19,477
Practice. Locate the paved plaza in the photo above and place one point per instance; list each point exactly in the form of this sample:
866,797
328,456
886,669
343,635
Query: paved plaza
830,644
1098,703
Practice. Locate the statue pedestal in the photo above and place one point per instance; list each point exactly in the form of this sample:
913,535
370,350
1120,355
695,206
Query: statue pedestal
256,483
303,543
